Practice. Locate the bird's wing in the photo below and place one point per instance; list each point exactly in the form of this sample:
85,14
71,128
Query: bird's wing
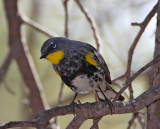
101,62
109,91
103,65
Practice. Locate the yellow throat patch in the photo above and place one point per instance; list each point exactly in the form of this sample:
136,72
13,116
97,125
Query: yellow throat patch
55,57
90,60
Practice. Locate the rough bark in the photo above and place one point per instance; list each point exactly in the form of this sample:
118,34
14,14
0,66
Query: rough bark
154,108
86,111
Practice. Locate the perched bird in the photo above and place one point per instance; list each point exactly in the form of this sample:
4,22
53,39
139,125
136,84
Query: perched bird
80,66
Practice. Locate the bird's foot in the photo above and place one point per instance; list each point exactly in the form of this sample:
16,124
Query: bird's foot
109,103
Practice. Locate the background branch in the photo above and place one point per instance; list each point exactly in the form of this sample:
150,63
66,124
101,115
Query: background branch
132,120
18,124
153,114
95,123
5,66
151,63
23,58
143,26
38,27
76,122
65,4
92,22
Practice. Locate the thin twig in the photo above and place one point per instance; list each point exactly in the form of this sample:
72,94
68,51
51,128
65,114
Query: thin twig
76,122
95,123
136,24
21,54
60,100
132,120
92,22
65,4
131,92
140,119
18,124
130,54
8,88
121,84
142,26
38,27
5,66
154,61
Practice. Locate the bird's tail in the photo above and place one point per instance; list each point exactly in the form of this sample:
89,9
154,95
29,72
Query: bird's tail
109,92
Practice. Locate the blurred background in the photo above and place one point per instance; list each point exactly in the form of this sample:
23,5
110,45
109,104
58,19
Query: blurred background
113,19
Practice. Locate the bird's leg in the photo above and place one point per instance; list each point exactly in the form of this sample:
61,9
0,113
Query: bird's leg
74,102
107,100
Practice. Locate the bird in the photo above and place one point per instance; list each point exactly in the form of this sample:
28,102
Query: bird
81,67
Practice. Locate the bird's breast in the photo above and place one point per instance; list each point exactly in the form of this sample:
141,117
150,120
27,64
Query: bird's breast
55,57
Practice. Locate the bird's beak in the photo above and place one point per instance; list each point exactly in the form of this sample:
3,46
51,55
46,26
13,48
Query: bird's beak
42,56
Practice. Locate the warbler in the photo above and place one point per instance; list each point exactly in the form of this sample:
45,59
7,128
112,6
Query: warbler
80,66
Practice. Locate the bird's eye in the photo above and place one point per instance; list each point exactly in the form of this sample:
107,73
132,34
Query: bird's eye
53,45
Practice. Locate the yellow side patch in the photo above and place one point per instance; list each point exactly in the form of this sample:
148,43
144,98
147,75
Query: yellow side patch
55,57
90,60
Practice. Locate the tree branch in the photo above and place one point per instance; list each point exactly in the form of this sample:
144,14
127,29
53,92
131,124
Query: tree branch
98,109
8,88
65,4
95,123
5,66
18,124
141,121
143,26
132,120
92,22
23,58
153,114
154,61
76,122
38,27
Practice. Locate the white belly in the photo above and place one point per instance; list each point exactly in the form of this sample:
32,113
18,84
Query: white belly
84,84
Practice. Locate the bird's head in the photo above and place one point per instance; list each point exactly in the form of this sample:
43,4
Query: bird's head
53,49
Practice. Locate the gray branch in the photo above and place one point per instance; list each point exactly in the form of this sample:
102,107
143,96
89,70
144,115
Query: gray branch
96,109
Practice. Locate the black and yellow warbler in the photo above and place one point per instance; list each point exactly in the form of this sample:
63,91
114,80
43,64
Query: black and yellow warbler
80,66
